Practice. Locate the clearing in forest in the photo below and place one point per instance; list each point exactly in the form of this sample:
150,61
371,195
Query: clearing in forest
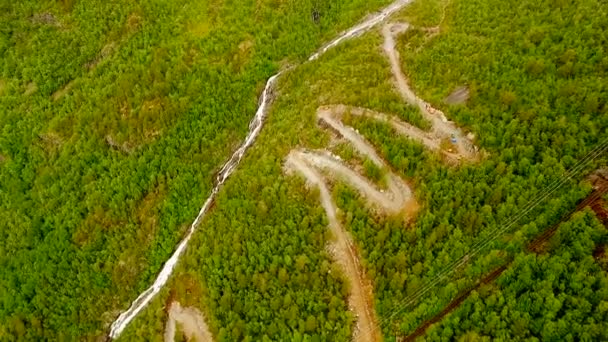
191,321
316,166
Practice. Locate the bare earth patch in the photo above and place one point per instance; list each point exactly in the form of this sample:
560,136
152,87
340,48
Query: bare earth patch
63,91
44,19
30,88
459,96
192,323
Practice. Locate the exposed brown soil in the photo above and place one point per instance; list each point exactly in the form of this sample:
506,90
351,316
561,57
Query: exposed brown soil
455,303
192,323
539,244
63,91
459,96
599,207
600,252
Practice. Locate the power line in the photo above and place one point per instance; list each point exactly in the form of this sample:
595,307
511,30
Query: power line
497,232
492,236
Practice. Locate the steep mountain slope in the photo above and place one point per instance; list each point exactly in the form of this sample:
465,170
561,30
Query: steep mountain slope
120,141
253,266
561,294
115,117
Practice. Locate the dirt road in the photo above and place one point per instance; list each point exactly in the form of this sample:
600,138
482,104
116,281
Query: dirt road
392,201
191,321
344,252
442,128
396,199
332,115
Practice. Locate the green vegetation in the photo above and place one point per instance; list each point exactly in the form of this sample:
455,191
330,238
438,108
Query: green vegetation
560,296
93,200
115,116
372,171
530,141
461,205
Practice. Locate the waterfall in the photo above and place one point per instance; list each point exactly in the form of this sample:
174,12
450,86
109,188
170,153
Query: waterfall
255,127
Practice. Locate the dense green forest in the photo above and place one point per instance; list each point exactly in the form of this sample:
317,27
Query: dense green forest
558,296
533,125
118,114
253,265
114,117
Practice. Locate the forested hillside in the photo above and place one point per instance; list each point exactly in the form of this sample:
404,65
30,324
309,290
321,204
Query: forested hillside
114,117
537,107
533,125
558,296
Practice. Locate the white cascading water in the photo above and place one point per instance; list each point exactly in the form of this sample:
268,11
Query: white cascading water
362,27
255,127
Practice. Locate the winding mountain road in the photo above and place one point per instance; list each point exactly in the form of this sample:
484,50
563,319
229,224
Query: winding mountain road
442,128
317,166
343,251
